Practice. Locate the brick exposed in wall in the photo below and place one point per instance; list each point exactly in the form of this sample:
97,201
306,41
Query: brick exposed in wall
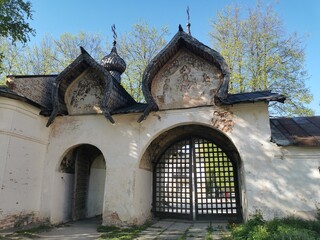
19,220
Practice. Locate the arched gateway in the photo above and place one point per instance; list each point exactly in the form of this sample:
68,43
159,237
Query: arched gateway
80,184
196,176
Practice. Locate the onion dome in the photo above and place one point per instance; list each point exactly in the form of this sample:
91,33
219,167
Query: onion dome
114,63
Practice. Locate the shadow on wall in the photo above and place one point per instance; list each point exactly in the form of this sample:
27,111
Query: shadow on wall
168,137
278,186
173,136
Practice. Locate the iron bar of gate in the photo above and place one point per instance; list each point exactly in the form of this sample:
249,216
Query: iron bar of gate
210,192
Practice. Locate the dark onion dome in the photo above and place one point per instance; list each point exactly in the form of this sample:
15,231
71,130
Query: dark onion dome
114,63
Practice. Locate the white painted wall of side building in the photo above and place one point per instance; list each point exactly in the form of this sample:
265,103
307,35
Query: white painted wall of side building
23,147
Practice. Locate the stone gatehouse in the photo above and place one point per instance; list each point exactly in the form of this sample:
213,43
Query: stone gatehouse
77,145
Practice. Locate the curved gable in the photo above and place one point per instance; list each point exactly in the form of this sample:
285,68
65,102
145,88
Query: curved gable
198,74
85,94
86,87
186,81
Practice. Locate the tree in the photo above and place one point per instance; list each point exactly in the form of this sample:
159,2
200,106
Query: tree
67,48
52,55
137,48
40,59
262,56
13,28
13,16
11,63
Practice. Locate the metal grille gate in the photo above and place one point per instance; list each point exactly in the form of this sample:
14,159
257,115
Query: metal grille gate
195,179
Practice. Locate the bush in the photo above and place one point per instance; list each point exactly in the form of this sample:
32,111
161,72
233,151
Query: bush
289,228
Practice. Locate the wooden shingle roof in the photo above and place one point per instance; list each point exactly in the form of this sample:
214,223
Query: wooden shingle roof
251,97
114,95
296,131
8,93
179,41
36,88
222,97
116,100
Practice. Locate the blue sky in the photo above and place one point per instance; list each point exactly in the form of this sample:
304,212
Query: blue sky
58,16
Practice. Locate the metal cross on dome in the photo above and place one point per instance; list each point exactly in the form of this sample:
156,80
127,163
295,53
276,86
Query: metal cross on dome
113,29
188,23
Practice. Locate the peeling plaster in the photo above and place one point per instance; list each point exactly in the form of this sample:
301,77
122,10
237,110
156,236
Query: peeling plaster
223,120
85,94
186,81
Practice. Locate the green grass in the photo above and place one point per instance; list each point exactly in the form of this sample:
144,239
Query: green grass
209,231
289,228
41,228
112,232
27,233
185,234
219,231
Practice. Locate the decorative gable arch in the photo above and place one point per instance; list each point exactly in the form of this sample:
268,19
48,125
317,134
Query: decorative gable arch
201,155
184,57
86,87
85,94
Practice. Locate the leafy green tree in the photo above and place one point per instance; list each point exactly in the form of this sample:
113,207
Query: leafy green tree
24,60
13,20
137,48
40,58
51,55
218,174
12,61
67,48
262,56
14,27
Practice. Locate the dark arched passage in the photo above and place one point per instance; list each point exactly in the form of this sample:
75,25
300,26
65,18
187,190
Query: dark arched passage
196,175
82,172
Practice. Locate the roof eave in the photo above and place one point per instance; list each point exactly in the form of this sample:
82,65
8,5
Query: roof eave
7,93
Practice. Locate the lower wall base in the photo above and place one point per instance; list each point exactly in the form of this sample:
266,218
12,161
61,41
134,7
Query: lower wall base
19,220
113,219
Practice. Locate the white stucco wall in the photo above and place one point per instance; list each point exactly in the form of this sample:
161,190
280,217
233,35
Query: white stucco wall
96,187
23,145
296,182
275,179
62,202
117,144
123,144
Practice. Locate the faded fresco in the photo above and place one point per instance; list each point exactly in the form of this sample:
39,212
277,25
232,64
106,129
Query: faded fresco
84,95
186,81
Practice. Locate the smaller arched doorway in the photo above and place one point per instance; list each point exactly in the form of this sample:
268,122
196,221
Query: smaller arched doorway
196,177
82,173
